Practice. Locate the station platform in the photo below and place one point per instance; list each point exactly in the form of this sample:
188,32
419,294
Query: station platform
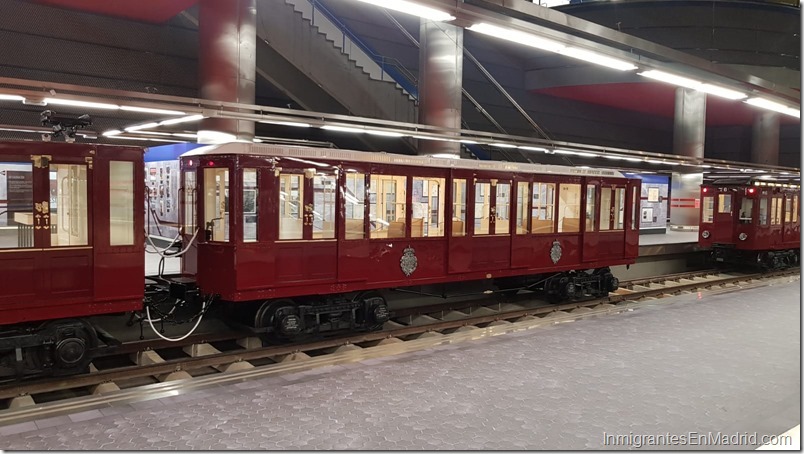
718,363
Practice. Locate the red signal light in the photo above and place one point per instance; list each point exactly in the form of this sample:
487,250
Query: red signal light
750,190
211,164
705,190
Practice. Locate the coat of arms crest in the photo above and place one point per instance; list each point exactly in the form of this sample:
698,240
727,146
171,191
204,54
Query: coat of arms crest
408,262
555,252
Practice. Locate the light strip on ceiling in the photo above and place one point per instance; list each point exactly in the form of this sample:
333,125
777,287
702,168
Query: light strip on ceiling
295,124
722,92
503,145
150,110
343,129
12,97
671,79
533,148
175,121
598,59
376,132
76,103
415,9
774,106
142,126
526,39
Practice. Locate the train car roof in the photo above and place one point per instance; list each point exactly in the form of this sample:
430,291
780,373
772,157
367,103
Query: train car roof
299,152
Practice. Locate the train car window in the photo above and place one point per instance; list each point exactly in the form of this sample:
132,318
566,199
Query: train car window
619,204
250,198
746,210
502,209
216,203
795,209
637,203
708,209
542,208
774,205
590,208
428,207
121,203
387,199
291,212
17,220
68,205
323,209
482,208
354,195
189,202
779,207
763,211
724,203
569,208
521,208
605,209
788,209
458,207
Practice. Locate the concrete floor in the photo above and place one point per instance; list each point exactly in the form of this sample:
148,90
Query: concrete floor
724,362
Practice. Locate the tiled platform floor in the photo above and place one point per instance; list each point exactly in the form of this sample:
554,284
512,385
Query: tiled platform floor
728,362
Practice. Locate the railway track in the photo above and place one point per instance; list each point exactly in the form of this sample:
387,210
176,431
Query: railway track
409,330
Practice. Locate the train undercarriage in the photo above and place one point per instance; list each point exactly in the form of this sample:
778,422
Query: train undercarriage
766,260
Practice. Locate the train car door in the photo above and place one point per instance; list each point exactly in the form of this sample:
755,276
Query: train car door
789,233
491,236
521,241
591,236
724,215
353,224
633,191
461,212
62,227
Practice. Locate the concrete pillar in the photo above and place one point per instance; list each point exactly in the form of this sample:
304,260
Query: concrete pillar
227,61
689,127
765,139
440,82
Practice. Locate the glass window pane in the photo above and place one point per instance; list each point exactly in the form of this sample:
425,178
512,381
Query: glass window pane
522,208
795,208
746,210
637,203
323,209
428,207
502,209
354,196
542,208
16,205
778,210
250,200
121,203
619,205
788,209
189,202
68,205
724,203
763,211
482,208
569,208
708,209
605,209
291,197
590,208
774,204
458,207
387,201
216,203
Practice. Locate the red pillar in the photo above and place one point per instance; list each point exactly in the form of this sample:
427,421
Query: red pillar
227,61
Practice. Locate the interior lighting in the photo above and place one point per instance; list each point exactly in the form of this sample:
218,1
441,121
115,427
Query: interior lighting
113,132
12,98
612,157
722,92
503,145
343,129
559,151
150,110
404,6
671,79
598,59
524,147
145,139
585,154
186,136
295,124
632,159
774,106
445,156
376,132
526,39
468,141
426,138
175,121
142,126
76,103
211,137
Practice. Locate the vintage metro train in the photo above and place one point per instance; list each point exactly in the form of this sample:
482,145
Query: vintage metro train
752,223
301,238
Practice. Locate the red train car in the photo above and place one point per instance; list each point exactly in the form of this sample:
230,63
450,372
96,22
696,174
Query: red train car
283,222
754,223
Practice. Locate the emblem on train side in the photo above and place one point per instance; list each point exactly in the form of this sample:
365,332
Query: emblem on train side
408,262
555,252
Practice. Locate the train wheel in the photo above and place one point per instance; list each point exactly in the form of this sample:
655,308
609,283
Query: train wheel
282,316
376,309
72,347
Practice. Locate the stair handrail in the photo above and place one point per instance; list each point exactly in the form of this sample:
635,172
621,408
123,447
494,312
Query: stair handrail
388,65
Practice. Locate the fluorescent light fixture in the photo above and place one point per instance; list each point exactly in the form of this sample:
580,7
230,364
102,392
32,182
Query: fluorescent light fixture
153,133
376,132
11,97
585,154
445,156
145,139
468,141
671,79
722,92
142,126
415,9
632,159
525,147
612,157
527,39
112,132
655,161
559,151
343,129
598,59
774,106
426,138
211,137
186,136
503,145
175,121
256,140
295,124
150,110
75,103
